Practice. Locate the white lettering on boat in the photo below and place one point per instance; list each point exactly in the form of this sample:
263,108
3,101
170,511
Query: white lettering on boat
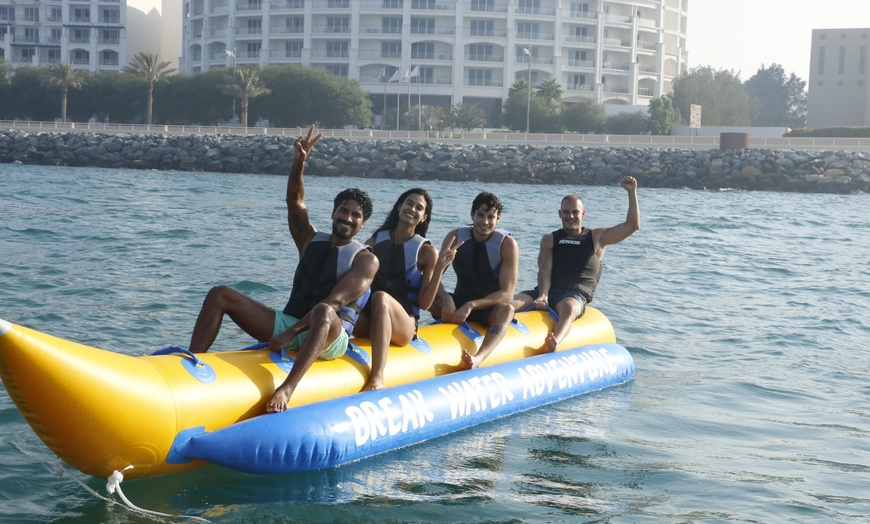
480,393
373,420
565,372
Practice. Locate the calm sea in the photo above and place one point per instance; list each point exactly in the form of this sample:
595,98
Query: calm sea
748,315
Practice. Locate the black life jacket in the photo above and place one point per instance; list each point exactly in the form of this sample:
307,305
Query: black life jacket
398,274
477,265
576,267
318,271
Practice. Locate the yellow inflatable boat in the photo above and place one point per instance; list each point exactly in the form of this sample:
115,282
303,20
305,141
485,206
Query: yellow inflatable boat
102,411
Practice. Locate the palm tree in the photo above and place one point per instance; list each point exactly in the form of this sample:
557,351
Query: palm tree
550,90
149,68
245,83
65,76
519,85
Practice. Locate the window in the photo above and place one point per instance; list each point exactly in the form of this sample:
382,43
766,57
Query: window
255,5
337,70
391,49
426,76
523,57
27,54
480,52
527,30
31,35
31,14
392,25
422,26
81,14
55,35
252,50
482,5
295,24
293,49
338,4
337,49
80,56
110,36
422,4
530,6
841,64
7,14
391,4
338,24
481,28
56,14
53,55
862,59
111,16
423,50
479,77
254,26
821,70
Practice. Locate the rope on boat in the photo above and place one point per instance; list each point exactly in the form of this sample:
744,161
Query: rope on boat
113,484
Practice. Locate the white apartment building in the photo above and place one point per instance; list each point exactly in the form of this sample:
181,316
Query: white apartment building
838,89
622,52
89,34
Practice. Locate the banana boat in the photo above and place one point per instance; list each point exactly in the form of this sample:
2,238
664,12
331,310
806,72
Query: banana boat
102,411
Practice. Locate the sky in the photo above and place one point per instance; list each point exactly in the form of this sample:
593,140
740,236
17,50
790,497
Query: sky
741,35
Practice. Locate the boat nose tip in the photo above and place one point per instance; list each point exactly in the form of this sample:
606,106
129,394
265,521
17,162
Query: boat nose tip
5,327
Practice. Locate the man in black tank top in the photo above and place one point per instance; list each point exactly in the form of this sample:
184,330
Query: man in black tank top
569,263
486,262
310,324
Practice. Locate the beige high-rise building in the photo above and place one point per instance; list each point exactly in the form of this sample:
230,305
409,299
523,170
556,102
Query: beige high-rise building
616,52
838,91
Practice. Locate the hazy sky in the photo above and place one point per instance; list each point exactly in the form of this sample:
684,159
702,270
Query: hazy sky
744,34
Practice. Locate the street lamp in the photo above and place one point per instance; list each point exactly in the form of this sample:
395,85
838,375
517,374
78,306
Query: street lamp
232,54
528,52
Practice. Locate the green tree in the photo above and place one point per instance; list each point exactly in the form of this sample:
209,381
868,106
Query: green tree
519,84
148,67
720,93
466,116
585,116
65,76
195,99
244,83
542,115
663,115
5,72
778,100
627,123
301,95
551,91
31,95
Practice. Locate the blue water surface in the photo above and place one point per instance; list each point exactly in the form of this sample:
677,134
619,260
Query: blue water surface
747,313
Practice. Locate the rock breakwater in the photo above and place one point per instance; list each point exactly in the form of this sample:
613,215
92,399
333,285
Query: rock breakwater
747,169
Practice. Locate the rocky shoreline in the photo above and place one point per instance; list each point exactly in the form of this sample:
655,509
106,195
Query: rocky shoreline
746,169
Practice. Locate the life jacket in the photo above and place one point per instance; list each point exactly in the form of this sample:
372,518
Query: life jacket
576,267
477,265
321,267
398,274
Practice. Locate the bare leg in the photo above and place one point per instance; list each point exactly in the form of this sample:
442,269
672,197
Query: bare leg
499,319
522,302
568,310
325,327
254,318
390,324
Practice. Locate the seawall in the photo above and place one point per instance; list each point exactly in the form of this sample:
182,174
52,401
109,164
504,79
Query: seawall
747,169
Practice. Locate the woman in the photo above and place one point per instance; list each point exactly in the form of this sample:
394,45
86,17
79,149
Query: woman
407,280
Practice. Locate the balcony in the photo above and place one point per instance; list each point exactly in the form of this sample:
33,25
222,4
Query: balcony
285,53
579,87
534,35
249,31
540,11
483,82
330,29
285,30
583,39
432,30
381,4
615,66
80,40
481,57
217,31
582,14
288,4
488,8
498,33
573,62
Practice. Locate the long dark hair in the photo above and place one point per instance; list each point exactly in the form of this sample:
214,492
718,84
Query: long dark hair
393,218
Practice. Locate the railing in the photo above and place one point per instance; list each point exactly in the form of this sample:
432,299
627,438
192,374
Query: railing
693,142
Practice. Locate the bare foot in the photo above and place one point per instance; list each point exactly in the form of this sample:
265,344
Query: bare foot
468,362
373,384
279,400
550,343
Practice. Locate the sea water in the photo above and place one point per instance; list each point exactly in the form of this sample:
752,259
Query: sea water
747,313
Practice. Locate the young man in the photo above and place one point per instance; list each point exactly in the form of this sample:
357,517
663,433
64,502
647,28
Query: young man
334,271
486,264
569,262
